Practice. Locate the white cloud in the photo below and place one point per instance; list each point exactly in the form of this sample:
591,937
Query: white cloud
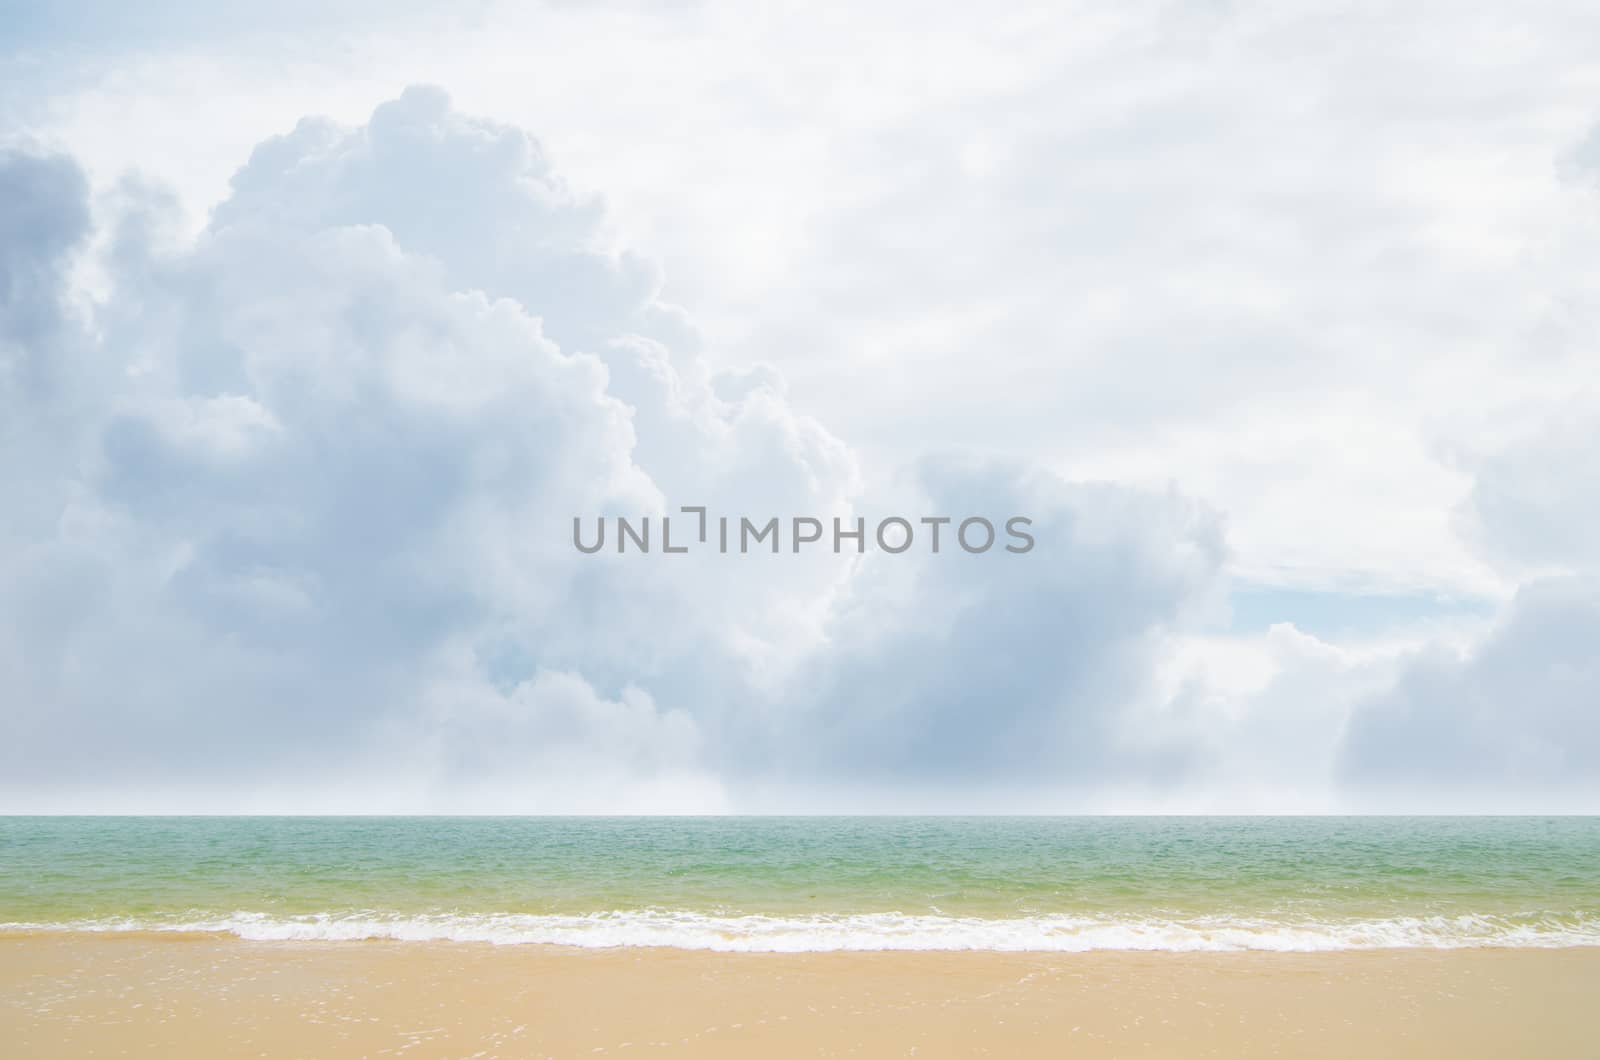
1164,269
1331,269
316,510
316,446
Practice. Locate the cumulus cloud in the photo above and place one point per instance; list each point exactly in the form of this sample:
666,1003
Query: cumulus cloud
480,198
299,495
1535,498
290,515
312,454
1512,724
47,217
969,669
1512,721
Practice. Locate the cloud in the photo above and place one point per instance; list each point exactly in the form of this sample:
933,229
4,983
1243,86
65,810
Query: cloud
1512,720
479,197
291,515
1535,497
1512,724
300,496
46,220
311,449
976,670
1077,235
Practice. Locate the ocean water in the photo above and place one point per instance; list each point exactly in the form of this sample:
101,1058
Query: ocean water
811,884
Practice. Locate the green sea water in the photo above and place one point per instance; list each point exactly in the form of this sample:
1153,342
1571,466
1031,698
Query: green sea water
818,883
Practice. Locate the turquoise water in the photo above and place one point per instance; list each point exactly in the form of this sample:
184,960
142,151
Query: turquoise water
819,883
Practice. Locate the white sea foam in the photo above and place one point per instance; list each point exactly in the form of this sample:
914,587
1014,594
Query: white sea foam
883,931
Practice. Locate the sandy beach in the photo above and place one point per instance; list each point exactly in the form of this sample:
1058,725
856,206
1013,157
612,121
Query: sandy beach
72,995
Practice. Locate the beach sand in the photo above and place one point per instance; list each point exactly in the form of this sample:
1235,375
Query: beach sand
75,995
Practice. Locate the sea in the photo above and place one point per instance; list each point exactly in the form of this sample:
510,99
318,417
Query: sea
813,884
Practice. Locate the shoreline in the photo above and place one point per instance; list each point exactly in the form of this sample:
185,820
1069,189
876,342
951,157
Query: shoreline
177,995
811,932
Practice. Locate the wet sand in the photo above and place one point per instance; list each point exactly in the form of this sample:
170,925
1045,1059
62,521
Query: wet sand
65,995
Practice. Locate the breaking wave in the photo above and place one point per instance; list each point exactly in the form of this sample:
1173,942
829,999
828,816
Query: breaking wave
1058,933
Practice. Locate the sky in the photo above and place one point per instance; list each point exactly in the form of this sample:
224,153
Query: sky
321,322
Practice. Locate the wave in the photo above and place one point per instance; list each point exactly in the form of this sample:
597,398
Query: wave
880,931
